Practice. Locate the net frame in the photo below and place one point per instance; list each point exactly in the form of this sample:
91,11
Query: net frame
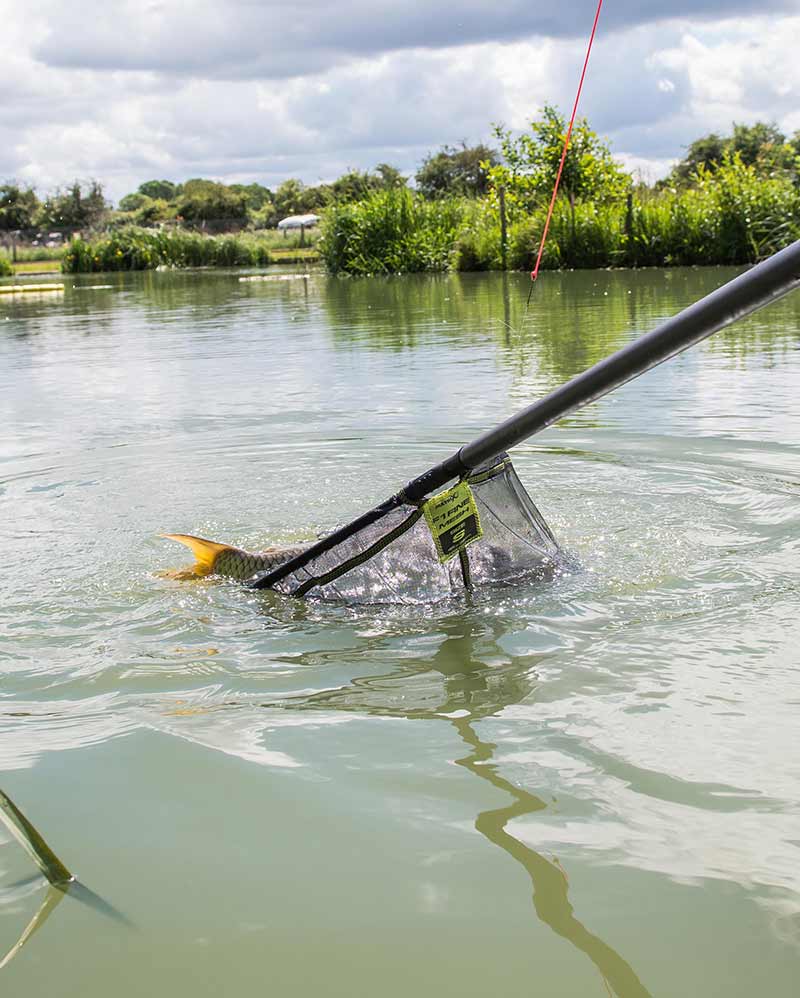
762,284
393,556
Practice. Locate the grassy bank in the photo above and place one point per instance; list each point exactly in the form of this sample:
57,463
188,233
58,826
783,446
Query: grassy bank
37,267
731,216
146,249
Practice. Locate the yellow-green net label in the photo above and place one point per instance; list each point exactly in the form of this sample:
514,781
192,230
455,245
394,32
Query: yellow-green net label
453,520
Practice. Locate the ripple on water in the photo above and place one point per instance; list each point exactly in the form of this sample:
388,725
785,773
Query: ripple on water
646,700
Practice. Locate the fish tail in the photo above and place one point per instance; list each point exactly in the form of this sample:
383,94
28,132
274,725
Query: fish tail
205,552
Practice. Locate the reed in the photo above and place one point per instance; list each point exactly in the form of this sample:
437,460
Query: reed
730,216
146,249
390,232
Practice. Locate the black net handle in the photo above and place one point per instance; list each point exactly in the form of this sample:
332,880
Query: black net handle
757,287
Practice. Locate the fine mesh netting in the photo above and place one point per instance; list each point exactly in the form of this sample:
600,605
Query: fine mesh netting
394,559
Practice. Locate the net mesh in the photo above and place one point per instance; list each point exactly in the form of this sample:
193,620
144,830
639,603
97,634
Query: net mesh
394,559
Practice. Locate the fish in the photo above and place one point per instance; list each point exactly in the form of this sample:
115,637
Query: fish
213,558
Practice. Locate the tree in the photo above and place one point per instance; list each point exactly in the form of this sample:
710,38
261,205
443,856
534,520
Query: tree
131,202
255,195
456,171
163,189
353,186
762,146
294,198
206,200
389,177
18,207
703,153
532,161
72,208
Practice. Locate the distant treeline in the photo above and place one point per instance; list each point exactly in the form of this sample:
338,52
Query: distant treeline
731,199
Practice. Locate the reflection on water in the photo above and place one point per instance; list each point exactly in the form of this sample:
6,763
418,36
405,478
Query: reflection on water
471,693
216,760
52,898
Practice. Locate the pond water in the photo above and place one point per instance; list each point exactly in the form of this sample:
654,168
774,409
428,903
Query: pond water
583,787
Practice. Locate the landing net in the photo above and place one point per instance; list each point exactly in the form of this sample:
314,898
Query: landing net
395,558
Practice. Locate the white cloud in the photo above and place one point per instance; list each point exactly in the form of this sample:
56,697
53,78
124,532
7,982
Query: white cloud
130,91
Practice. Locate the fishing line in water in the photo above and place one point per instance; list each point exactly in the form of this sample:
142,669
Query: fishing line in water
535,271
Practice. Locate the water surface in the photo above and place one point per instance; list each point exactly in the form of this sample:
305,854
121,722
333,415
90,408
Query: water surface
586,787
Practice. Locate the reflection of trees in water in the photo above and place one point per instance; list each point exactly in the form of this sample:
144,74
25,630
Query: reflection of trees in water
394,313
461,683
574,319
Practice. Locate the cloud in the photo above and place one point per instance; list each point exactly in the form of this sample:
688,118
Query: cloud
262,95
242,39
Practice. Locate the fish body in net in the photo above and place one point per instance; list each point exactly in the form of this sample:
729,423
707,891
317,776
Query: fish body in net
393,559
213,558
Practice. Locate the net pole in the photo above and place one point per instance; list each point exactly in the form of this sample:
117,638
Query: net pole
759,286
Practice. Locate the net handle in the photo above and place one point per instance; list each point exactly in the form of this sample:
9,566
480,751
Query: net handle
757,287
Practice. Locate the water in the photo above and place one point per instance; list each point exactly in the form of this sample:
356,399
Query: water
581,788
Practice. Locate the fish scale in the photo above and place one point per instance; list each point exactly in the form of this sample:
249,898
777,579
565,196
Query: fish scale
213,558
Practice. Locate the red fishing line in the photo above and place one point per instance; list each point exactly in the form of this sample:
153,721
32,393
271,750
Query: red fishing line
535,271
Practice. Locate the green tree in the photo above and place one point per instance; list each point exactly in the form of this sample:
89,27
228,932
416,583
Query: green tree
256,196
294,198
532,160
74,208
289,198
18,207
704,153
163,189
206,200
131,202
353,186
762,146
389,177
455,171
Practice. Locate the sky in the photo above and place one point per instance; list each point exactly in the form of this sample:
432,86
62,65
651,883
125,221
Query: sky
243,91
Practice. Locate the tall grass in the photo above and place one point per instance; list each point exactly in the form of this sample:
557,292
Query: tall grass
146,249
390,232
275,239
731,215
37,254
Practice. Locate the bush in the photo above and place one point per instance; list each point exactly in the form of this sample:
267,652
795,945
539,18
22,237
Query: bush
730,216
5,266
478,246
390,232
146,249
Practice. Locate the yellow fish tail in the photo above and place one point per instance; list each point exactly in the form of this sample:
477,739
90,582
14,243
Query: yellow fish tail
205,552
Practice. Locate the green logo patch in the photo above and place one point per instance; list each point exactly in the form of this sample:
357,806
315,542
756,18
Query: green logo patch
453,520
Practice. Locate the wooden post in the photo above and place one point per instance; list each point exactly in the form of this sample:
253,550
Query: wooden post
501,193
572,215
629,249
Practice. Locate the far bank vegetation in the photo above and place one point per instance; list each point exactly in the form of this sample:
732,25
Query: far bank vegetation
732,199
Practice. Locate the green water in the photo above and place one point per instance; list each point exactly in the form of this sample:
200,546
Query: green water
587,787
